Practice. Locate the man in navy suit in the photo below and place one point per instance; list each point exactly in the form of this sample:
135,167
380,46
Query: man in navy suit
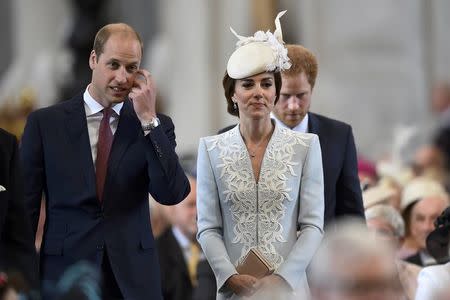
17,251
96,157
342,188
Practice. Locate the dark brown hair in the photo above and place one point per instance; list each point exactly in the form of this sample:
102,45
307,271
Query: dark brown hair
105,33
229,85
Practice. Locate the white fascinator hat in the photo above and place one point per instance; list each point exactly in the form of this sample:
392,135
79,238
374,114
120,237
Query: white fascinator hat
262,52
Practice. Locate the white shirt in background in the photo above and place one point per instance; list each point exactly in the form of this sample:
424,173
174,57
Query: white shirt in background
301,127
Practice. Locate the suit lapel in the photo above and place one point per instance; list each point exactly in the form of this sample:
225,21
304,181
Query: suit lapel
176,253
313,124
314,127
76,126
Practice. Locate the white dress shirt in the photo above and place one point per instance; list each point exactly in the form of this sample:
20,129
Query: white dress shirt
301,127
433,283
185,244
94,116
183,241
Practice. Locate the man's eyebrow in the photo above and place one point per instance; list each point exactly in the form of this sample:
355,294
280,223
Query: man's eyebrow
118,60
112,60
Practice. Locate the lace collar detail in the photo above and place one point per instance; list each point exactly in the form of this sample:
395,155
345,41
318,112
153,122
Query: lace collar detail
257,209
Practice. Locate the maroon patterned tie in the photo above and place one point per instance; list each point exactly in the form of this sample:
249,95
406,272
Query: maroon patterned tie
105,139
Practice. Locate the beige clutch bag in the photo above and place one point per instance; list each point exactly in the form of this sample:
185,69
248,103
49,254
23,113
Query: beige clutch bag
255,264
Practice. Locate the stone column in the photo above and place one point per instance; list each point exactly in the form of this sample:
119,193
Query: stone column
188,59
38,59
372,65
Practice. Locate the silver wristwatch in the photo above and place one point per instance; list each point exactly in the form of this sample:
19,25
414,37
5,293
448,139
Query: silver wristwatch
152,124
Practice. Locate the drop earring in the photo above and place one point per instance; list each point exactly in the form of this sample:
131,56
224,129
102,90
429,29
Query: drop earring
234,106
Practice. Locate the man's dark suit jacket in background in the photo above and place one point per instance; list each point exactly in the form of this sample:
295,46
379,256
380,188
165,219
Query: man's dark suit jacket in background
175,281
57,160
340,167
17,250
206,282
342,189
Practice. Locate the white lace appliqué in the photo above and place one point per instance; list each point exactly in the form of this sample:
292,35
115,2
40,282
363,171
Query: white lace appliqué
257,209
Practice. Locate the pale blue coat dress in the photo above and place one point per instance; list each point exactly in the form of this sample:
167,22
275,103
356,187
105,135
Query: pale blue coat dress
235,213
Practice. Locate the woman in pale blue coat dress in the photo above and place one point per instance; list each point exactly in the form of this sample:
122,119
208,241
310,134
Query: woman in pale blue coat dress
258,185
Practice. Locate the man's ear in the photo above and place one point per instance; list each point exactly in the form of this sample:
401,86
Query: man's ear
92,60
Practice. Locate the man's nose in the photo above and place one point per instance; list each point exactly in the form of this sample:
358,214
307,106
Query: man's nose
121,75
293,103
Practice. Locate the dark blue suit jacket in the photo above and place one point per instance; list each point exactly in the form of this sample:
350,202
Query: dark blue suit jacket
17,251
340,171
176,284
342,190
57,160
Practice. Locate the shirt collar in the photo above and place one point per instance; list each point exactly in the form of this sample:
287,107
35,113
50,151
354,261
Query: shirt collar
301,127
181,238
95,107
427,259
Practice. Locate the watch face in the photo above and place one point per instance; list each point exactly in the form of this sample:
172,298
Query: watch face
155,122
152,124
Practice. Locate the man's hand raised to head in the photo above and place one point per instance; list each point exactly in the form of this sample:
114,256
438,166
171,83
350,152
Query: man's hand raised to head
143,96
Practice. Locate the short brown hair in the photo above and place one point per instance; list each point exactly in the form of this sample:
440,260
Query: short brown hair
105,33
303,60
229,84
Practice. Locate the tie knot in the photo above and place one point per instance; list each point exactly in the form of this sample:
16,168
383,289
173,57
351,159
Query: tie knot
107,112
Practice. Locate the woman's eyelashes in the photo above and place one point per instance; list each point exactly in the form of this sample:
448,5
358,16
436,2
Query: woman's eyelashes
264,85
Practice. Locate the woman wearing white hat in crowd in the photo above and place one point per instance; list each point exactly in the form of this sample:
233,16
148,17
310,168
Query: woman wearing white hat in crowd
423,200
434,281
259,183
